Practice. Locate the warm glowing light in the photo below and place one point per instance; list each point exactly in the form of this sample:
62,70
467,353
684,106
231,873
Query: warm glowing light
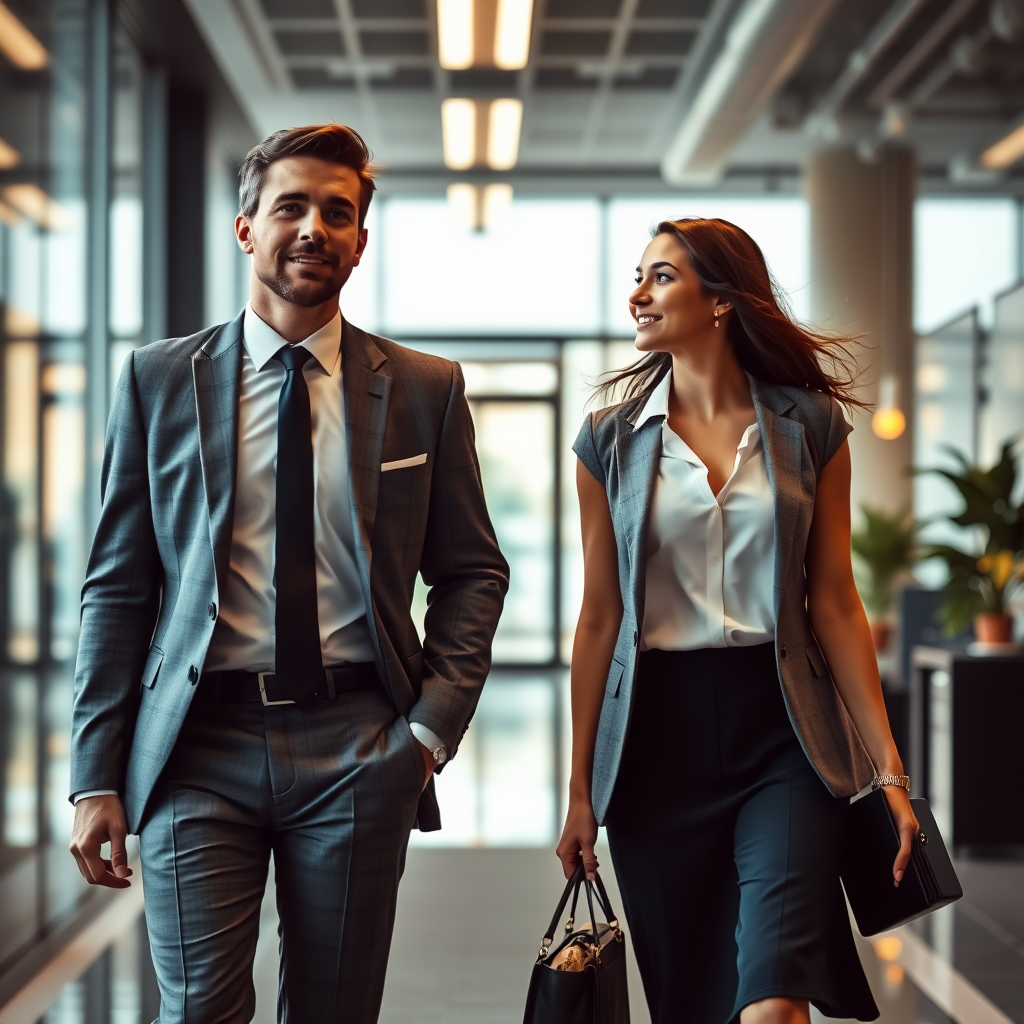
496,203
464,205
32,202
455,33
512,34
458,130
894,975
1005,152
9,156
503,134
9,216
888,948
888,424
19,46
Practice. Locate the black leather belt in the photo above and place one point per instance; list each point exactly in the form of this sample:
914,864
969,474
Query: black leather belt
238,687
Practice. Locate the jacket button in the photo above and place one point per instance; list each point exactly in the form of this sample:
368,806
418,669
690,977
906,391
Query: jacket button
782,651
193,674
212,610
635,638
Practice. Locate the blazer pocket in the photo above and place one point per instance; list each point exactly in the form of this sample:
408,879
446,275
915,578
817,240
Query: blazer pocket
817,662
615,674
149,673
415,460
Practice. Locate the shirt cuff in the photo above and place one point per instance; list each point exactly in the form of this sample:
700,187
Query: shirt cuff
75,797
428,738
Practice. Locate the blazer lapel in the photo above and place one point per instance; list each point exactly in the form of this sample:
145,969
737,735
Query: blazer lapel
638,455
367,393
216,376
783,441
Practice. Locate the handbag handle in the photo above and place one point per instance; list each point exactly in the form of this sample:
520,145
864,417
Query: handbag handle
573,886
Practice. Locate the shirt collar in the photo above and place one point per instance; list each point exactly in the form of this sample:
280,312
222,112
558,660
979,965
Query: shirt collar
657,402
262,342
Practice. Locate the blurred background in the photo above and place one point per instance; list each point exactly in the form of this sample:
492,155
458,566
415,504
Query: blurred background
873,149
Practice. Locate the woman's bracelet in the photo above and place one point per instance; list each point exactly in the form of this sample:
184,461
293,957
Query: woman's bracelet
903,781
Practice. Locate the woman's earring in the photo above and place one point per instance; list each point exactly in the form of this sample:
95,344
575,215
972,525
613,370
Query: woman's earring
716,317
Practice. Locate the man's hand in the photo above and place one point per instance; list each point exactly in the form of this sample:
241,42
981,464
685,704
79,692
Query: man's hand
428,763
99,820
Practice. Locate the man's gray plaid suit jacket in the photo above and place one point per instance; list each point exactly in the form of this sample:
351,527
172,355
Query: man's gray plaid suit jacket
162,545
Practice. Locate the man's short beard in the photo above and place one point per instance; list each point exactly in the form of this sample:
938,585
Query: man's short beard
284,288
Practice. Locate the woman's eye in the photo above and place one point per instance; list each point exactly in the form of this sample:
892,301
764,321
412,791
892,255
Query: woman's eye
662,278
638,279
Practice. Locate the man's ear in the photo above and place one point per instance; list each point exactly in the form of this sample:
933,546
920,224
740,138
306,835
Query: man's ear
360,246
243,233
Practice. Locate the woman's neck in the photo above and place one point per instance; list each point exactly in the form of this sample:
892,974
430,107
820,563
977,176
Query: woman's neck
708,383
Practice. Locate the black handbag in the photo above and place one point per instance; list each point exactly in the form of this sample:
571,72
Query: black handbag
583,979
871,845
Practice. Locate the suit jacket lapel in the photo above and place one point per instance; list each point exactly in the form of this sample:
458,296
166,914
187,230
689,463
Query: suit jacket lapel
783,441
638,455
216,376
367,393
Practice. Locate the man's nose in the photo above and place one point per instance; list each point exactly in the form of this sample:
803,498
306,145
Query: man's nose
312,226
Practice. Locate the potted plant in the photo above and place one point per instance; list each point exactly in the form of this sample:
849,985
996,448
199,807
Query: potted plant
984,577
884,546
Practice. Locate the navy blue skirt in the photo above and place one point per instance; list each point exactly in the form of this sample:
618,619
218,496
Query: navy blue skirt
726,846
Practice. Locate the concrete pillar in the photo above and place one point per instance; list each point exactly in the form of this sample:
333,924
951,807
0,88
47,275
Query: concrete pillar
862,282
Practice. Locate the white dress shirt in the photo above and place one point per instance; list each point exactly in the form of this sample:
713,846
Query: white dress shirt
243,637
710,561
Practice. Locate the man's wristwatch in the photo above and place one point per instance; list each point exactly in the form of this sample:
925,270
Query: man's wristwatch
439,754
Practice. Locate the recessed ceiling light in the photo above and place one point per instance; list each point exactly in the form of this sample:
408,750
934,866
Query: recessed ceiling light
20,47
512,34
455,33
9,156
458,133
1005,152
503,134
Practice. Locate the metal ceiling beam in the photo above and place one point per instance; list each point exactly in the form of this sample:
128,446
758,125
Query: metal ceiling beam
861,61
762,47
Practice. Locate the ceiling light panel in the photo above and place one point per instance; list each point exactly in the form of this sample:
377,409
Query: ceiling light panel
512,33
20,47
458,129
455,33
503,134
1005,152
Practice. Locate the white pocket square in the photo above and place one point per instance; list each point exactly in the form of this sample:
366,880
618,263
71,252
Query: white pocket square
416,460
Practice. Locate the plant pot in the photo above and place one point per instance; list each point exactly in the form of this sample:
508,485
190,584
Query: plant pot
881,634
993,629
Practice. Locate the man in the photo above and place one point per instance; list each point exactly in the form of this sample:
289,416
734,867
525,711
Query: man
249,678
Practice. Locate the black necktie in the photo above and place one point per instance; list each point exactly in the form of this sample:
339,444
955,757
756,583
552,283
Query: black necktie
299,666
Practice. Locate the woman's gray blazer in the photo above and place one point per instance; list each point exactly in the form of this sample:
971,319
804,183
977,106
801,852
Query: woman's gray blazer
801,430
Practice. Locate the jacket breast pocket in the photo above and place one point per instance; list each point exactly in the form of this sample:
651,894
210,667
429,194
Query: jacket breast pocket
149,673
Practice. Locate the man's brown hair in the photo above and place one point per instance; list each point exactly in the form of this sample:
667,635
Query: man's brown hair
335,143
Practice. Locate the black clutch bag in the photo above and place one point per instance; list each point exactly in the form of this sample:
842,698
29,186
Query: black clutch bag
871,845
582,980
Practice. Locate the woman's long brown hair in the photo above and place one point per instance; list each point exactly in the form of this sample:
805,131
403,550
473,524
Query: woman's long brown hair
767,341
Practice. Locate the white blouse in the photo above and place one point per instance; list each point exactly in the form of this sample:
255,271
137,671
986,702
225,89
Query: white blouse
710,561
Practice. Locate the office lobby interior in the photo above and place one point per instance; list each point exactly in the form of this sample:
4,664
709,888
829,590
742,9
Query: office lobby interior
874,149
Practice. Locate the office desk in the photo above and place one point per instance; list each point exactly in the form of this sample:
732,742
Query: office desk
967,744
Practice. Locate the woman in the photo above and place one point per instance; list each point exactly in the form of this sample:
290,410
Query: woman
725,695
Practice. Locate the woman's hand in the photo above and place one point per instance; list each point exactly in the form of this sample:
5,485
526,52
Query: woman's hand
578,838
906,825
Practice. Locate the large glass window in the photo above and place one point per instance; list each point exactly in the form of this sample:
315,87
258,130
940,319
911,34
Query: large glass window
537,271
966,251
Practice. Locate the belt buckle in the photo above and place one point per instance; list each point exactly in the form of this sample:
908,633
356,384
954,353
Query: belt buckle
263,691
